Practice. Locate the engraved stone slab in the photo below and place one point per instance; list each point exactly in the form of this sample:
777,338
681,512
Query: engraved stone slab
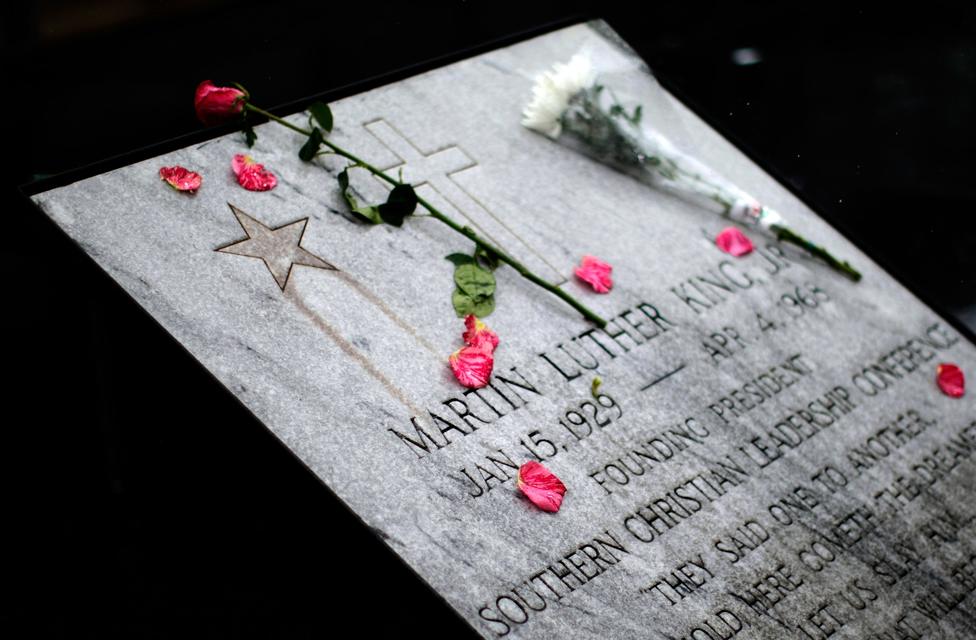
768,455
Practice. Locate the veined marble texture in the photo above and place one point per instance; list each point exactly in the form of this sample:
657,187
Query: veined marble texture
770,457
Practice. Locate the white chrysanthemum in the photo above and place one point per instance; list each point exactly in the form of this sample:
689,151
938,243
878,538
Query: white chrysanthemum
552,92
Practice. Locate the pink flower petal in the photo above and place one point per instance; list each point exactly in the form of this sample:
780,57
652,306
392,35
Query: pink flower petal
478,334
540,486
181,179
472,366
596,273
733,242
239,162
257,178
251,175
951,380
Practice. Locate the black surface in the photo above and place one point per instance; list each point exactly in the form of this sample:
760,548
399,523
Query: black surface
146,502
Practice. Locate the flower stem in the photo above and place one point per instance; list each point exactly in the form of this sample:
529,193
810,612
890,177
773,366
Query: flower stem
678,171
788,235
466,231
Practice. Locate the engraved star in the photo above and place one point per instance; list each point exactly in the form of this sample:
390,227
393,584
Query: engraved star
278,248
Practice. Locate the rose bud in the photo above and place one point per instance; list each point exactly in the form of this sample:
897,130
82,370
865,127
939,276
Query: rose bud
218,104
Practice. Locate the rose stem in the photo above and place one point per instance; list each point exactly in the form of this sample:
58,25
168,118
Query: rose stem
467,232
788,235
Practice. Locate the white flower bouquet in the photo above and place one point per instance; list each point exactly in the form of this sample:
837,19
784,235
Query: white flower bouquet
569,104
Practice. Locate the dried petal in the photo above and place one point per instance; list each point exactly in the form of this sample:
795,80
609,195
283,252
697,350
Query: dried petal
478,334
950,379
251,175
215,104
734,242
540,486
472,366
181,179
596,273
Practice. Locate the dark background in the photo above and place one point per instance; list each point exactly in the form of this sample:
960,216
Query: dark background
144,501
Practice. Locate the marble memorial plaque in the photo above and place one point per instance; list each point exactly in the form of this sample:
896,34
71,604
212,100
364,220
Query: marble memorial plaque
768,455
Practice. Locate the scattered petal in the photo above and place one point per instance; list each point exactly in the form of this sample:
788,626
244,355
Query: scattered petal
472,366
215,104
181,179
240,161
950,379
734,242
478,334
596,273
257,178
541,486
251,175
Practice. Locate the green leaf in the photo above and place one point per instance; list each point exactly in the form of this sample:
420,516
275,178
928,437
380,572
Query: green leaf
474,280
595,386
465,304
459,258
322,114
365,213
487,258
401,203
311,146
638,113
249,135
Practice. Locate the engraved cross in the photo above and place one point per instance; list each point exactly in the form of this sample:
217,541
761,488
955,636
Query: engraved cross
432,174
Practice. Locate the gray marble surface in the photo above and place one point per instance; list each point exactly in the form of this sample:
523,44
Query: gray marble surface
355,345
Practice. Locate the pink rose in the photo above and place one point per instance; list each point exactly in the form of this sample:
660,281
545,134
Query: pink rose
218,104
